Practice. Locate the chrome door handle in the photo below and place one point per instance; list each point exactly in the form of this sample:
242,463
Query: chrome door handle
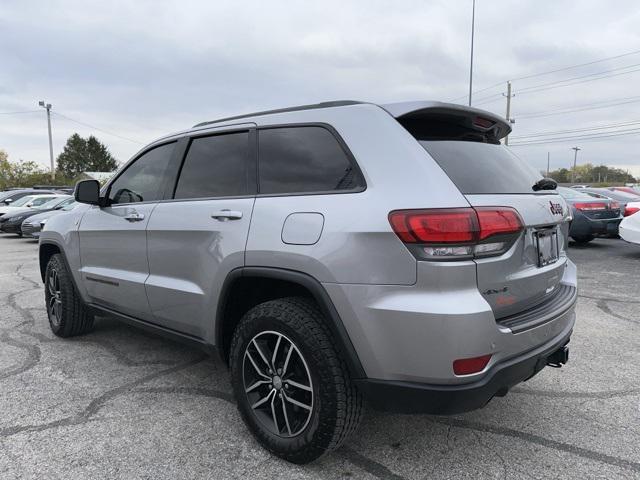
225,214
134,217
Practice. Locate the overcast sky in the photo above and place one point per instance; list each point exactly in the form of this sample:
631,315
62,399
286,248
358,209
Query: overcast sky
140,69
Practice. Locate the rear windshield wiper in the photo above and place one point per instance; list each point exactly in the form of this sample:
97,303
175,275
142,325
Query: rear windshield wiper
544,184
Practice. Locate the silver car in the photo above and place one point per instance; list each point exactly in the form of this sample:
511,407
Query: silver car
333,255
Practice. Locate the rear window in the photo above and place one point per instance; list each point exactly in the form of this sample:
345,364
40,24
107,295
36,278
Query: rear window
304,160
481,168
570,193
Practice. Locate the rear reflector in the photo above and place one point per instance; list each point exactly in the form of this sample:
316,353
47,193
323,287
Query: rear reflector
466,366
590,206
630,211
483,122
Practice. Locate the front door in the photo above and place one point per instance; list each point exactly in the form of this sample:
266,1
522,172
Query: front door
113,239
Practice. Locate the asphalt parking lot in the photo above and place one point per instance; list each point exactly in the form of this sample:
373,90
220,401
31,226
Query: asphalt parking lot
121,403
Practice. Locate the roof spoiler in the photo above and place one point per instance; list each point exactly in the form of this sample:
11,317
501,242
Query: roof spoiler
486,123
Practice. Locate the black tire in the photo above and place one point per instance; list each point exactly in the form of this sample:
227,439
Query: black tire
68,315
583,239
336,404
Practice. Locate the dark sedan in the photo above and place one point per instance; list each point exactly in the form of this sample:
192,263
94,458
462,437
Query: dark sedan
12,222
591,216
629,202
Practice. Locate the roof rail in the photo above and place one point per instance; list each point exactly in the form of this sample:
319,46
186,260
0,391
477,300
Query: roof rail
337,103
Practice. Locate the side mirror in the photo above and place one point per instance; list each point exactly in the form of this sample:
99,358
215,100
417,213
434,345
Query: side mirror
87,191
8,201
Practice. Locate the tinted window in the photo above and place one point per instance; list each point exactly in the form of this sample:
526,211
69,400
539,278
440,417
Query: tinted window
143,180
215,167
303,159
482,168
570,193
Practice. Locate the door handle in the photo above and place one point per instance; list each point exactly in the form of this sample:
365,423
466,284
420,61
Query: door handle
224,215
134,217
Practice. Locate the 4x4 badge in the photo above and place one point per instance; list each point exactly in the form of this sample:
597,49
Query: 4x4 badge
555,208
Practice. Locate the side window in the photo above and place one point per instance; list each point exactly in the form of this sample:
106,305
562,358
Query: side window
303,159
143,180
215,166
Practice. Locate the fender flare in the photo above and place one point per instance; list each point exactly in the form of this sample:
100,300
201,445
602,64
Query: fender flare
320,295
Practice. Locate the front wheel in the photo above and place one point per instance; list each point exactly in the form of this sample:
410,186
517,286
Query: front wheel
293,390
68,315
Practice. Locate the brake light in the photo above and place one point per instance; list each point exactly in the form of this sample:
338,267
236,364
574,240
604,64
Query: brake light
452,233
466,366
590,206
614,205
630,210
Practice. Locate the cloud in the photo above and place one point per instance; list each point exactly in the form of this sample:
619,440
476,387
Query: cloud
142,69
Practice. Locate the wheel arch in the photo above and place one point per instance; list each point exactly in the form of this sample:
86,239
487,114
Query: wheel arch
241,285
45,252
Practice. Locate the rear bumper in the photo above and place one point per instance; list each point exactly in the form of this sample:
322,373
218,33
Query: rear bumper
412,397
583,226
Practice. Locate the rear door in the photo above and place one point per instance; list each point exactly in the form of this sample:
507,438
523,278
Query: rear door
198,235
113,239
490,175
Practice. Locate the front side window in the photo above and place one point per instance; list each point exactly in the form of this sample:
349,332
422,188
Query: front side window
302,160
215,166
143,180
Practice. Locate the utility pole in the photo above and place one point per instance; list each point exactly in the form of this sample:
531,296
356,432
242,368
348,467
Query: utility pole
508,114
575,161
47,106
473,23
548,162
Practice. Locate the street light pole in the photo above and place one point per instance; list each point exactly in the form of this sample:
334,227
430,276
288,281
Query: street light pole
47,107
575,161
473,23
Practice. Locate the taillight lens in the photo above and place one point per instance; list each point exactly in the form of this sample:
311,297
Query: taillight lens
630,210
590,206
456,233
614,205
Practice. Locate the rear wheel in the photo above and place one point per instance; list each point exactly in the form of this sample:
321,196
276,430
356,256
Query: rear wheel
583,239
68,315
293,390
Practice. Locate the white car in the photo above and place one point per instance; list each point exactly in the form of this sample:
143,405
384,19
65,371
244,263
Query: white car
630,228
27,202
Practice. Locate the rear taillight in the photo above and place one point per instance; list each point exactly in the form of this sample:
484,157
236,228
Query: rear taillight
630,210
590,206
614,205
457,233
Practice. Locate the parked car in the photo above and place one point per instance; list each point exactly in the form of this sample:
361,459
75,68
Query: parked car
630,228
591,216
12,222
32,225
629,203
9,196
629,190
26,202
331,254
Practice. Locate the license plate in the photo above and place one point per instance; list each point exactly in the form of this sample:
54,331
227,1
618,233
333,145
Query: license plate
547,242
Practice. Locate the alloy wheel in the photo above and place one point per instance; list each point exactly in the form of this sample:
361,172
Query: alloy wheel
278,384
55,298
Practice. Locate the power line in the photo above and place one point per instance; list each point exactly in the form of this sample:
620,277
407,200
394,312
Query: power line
620,133
96,128
558,132
16,113
634,52
589,106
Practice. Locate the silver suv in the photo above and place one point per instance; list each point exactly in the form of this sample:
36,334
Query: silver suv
331,254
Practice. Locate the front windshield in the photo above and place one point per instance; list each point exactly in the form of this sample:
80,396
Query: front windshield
68,205
22,201
40,201
50,203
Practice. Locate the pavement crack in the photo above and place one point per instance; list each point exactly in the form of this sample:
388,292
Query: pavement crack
370,466
97,403
33,356
588,395
545,442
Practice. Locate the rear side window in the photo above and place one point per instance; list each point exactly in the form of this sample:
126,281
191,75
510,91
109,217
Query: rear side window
482,168
143,180
303,160
215,166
